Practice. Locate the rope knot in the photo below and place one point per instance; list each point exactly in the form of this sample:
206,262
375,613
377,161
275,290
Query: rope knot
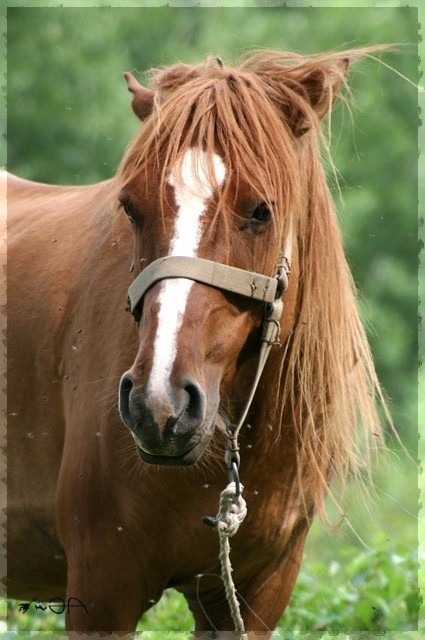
232,511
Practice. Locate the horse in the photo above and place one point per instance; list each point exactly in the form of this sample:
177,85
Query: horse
122,425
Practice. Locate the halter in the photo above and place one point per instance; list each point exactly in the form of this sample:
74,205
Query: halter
247,284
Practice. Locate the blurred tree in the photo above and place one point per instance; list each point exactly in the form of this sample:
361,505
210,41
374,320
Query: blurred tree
69,121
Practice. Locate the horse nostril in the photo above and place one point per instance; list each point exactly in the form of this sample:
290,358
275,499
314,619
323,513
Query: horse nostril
196,402
126,386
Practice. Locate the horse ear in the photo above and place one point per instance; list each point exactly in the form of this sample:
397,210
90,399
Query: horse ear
320,87
142,102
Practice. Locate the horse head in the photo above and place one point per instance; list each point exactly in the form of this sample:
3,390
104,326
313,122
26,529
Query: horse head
216,173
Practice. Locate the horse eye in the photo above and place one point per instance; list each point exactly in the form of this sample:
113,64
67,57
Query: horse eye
261,214
128,207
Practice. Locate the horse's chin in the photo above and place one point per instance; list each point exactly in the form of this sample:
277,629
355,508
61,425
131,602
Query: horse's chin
186,459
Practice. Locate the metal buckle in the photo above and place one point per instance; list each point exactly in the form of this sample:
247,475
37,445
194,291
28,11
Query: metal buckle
282,276
232,448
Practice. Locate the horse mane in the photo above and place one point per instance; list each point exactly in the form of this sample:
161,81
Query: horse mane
262,117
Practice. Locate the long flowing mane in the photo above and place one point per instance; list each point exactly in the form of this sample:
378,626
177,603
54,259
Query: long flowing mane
258,116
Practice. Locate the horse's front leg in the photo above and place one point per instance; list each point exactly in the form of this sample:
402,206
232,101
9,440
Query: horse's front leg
105,588
112,577
268,601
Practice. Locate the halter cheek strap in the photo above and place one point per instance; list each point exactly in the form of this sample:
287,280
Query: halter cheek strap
269,337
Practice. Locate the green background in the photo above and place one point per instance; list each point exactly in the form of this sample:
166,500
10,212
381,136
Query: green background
69,121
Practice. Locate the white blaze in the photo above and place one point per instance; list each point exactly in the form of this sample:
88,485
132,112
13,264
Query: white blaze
191,195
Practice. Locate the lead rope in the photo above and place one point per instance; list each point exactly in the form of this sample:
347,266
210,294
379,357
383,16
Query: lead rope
232,507
231,513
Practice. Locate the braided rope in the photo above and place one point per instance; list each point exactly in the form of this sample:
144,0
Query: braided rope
231,513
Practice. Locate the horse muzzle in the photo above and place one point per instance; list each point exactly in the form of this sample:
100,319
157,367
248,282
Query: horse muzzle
171,428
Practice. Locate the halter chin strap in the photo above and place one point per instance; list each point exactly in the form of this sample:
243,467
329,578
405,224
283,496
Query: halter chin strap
244,283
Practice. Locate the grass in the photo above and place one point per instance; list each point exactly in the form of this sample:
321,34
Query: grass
369,591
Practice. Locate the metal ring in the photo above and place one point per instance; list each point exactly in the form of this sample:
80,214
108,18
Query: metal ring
234,477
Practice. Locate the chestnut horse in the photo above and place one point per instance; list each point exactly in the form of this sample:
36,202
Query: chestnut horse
105,501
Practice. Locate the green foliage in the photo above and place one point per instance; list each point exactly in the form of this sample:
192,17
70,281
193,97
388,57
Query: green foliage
42,621
358,591
170,614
